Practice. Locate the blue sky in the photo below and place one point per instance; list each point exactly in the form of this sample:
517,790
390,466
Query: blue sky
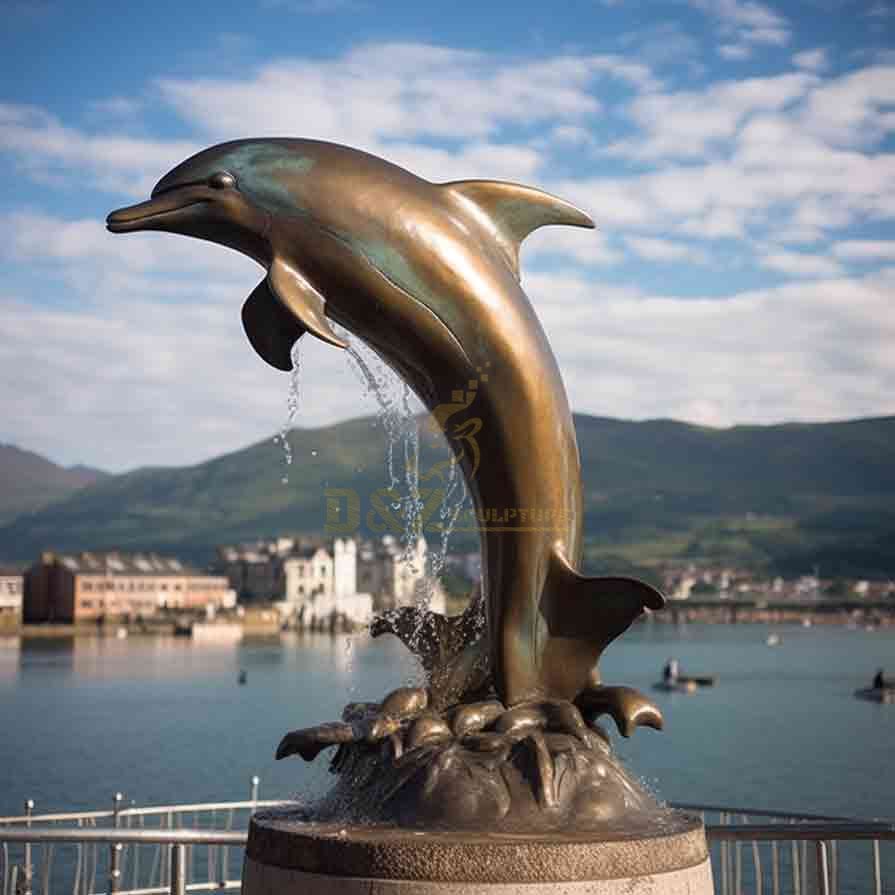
737,155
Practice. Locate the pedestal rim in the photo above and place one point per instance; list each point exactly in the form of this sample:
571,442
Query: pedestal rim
464,857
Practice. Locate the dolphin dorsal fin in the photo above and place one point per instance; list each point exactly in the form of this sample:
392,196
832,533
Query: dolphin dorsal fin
512,211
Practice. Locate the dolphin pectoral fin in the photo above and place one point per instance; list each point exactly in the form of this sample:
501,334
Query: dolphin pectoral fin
513,211
271,329
302,299
583,616
628,707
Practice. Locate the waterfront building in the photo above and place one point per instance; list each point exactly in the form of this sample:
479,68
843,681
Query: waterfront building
92,587
394,575
256,569
314,581
11,587
321,586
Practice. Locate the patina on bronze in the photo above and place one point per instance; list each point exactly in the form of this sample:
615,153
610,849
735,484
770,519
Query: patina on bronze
428,275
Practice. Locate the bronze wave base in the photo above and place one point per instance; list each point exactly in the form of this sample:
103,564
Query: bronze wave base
478,766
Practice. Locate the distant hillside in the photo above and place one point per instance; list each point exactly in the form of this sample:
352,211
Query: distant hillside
29,481
786,497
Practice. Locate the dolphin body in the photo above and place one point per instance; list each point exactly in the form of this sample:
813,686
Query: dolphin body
428,275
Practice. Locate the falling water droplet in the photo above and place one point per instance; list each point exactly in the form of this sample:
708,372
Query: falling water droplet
397,416
292,402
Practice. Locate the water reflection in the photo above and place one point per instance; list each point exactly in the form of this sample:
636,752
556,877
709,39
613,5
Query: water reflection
94,657
9,658
165,719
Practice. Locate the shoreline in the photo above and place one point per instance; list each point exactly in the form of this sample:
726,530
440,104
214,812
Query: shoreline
675,612
847,614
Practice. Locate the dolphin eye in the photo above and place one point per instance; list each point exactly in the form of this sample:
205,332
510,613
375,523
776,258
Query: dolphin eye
221,180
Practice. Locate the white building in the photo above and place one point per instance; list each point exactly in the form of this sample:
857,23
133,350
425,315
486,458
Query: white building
317,583
11,588
321,586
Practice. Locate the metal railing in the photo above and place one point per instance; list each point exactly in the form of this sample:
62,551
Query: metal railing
776,852
760,852
134,850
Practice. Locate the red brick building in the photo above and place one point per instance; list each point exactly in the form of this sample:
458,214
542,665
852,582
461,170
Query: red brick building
85,587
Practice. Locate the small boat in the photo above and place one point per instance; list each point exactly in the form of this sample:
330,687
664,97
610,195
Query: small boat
774,640
686,683
243,676
885,695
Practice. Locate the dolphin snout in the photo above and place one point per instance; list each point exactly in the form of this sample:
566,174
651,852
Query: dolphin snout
150,214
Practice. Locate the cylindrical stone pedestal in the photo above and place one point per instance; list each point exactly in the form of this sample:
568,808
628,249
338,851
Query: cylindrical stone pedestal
286,856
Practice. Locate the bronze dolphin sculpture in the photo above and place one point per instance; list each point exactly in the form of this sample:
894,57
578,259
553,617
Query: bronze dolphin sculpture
428,275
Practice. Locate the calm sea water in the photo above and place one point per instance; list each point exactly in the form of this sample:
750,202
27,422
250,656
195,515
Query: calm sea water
164,720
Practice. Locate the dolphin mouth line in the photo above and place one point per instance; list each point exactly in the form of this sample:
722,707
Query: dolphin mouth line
135,217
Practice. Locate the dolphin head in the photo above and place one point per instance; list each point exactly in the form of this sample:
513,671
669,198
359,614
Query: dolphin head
225,194
233,194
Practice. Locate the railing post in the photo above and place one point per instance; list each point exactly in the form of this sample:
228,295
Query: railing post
26,885
115,848
256,780
178,869
823,872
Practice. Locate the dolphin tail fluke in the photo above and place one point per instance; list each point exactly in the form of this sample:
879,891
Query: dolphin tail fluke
512,211
583,616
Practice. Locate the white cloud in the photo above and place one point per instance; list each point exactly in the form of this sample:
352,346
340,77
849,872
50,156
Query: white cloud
142,359
690,124
716,223
77,247
587,247
854,110
812,60
45,147
810,351
664,249
735,52
664,44
800,264
400,91
395,99
865,250
750,21
759,161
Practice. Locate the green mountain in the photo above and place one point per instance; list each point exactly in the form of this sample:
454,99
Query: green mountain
29,482
785,497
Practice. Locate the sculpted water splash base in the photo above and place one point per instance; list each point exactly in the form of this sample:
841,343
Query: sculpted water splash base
502,735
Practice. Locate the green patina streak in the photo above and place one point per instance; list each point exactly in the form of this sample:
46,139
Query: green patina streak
395,267
265,171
